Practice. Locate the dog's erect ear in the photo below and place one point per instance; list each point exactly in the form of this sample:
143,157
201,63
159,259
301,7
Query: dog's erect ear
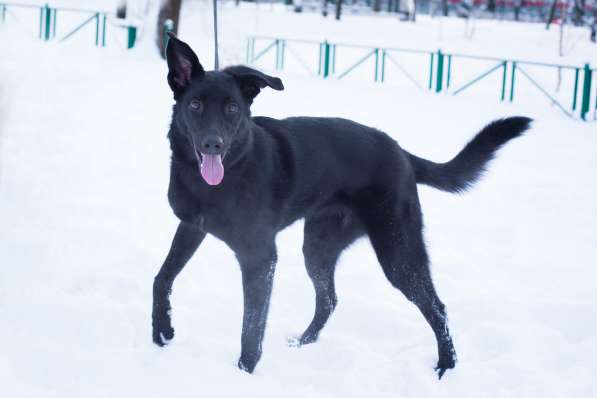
183,65
251,81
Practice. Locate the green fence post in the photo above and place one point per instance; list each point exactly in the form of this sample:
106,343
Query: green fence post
431,70
504,72
440,71
575,92
319,68
42,10
383,65
282,54
132,37
586,92
333,60
277,60
326,59
512,80
97,28
55,14
449,78
249,51
376,64
168,27
47,22
250,41
104,20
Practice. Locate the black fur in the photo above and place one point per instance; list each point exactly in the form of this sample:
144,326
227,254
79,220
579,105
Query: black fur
464,170
345,179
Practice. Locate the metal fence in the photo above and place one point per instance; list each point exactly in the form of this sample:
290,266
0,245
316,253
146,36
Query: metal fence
49,16
442,73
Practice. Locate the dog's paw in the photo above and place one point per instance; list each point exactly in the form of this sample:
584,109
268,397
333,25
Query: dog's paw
442,366
440,372
301,341
162,335
162,330
447,358
247,366
308,339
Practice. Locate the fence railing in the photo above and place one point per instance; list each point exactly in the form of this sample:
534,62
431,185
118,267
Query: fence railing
48,21
323,59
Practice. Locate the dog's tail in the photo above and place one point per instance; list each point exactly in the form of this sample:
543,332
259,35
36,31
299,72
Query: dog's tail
460,173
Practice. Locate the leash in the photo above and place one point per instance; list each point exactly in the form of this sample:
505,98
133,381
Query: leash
216,59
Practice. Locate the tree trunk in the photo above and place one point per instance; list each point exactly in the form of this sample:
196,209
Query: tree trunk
579,12
552,14
561,47
445,8
594,24
121,9
338,9
491,5
377,5
517,7
170,10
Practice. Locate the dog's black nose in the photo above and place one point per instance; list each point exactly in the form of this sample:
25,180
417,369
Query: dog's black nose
212,145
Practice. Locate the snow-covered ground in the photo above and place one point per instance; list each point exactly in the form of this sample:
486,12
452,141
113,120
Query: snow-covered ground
86,224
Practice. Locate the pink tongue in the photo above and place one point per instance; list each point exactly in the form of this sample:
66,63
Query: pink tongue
212,169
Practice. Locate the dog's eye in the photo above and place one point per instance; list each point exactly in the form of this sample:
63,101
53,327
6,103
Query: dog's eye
195,104
232,107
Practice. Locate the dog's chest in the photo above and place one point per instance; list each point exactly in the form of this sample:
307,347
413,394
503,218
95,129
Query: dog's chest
235,218
234,211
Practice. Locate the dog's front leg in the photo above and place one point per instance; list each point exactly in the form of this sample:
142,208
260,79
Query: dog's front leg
258,270
186,241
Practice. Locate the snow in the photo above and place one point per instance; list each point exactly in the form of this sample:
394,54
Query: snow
85,225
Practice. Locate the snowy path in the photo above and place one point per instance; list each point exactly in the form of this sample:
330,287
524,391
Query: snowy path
86,224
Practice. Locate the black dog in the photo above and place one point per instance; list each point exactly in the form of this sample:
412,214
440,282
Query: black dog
345,179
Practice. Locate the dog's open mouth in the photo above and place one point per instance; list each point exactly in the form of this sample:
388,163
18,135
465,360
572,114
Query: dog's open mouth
211,168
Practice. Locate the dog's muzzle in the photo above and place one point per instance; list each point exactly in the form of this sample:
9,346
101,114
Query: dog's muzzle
209,156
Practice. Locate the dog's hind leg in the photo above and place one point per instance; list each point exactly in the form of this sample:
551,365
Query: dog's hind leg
395,229
186,241
326,236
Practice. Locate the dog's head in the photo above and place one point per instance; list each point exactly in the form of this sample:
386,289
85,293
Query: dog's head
212,108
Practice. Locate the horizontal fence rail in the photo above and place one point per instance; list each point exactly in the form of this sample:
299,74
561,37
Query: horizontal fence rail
438,77
48,17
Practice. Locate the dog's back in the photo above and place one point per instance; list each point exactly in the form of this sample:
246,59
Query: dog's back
334,154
